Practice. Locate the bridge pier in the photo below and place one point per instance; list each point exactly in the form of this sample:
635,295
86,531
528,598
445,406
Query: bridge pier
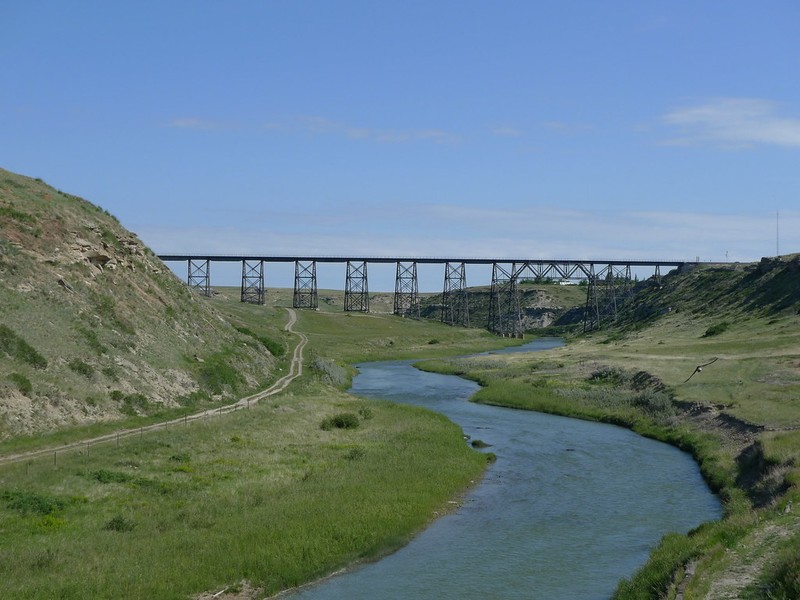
305,285
455,304
406,290
253,282
199,278
505,315
606,291
356,288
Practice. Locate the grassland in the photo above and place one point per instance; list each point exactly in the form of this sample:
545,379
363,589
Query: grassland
293,488
739,417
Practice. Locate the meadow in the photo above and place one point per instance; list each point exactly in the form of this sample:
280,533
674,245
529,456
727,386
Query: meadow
293,488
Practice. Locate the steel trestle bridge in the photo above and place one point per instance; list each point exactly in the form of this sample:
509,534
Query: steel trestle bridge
609,283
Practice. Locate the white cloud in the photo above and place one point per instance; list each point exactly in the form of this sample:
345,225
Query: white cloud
734,123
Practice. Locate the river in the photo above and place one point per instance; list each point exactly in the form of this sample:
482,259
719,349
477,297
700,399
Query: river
568,508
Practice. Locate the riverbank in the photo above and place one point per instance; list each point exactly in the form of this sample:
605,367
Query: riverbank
747,447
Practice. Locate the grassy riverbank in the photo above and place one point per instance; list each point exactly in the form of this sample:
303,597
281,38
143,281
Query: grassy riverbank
296,487
739,417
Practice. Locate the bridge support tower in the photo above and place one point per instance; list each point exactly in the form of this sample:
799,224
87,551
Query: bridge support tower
199,279
607,290
455,304
505,315
356,288
305,285
406,290
253,282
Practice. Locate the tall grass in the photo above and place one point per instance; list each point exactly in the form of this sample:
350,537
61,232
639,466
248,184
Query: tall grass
263,495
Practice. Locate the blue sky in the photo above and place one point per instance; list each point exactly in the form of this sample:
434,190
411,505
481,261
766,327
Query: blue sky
628,129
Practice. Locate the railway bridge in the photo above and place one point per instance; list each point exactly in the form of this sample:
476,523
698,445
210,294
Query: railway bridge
609,282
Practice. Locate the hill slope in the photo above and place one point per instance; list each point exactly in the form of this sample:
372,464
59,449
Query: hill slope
94,327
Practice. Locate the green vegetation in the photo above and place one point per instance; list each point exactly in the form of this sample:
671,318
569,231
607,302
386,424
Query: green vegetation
17,348
738,416
260,494
265,494
23,384
340,421
310,480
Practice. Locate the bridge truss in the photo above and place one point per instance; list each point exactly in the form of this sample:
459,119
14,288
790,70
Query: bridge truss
608,284
356,287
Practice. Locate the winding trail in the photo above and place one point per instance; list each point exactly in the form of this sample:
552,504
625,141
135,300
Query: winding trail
295,371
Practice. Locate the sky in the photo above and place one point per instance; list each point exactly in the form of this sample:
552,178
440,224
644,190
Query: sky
638,129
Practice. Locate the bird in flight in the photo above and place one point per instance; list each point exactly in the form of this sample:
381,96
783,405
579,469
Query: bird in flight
699,368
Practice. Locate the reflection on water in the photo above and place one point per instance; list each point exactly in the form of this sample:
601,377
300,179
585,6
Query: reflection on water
568,509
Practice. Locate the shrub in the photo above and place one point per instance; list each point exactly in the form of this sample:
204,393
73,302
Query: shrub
106,476
23,384
216,374
120,523
17,348
275,348
356,453
716,329
81,367
135,403
31,502
340,421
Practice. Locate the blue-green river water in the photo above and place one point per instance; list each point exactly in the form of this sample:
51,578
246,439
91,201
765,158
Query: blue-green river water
568,508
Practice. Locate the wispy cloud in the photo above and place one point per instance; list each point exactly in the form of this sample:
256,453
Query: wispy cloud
474,232
502,233
567,128
201,124
734,123
317,125
507,131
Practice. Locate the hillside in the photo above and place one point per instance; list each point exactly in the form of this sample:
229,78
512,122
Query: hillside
769,288
94,327
541,305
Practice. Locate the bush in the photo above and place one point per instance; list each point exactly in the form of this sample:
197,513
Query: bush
275,348
31,502
216,374
23,384
81,367
340,421
17,348
717,329
106,476
120,523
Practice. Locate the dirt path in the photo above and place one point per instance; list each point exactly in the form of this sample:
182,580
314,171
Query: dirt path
745,562
295,370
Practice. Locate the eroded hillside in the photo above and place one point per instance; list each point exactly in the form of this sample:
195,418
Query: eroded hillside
94,327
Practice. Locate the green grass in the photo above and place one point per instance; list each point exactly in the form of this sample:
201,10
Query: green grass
755,380
272,495
262,494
